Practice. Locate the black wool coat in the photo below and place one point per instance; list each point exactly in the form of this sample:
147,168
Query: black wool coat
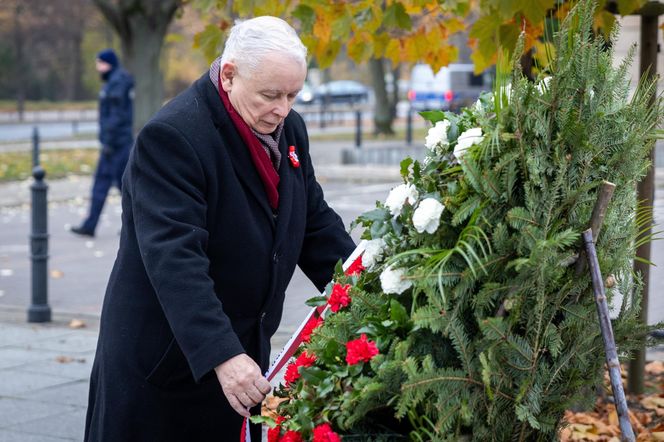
201,271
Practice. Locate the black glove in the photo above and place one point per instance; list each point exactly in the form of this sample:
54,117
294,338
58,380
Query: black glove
107,151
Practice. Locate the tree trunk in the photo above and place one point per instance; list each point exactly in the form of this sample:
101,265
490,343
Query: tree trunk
77,66
383,115
141,57
646,194
19,64
142,26
78,11
396,76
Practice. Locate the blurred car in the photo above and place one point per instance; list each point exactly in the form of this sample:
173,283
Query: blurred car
306,94
451,88
342,91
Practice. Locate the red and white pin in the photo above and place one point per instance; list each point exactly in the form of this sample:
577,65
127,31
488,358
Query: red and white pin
292,156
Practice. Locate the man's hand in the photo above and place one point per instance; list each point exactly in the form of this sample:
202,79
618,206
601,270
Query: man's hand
242,382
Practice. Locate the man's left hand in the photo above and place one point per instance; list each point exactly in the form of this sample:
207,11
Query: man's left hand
242,382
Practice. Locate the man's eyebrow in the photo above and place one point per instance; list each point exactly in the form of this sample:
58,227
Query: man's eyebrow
276,91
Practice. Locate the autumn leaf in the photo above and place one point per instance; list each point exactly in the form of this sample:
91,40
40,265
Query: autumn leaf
396,17
536,10
655,368
76,323
626,7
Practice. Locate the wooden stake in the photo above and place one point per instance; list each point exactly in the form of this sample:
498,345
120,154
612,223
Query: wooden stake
597,218
612,361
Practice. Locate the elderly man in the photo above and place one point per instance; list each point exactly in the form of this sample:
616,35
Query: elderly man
220,203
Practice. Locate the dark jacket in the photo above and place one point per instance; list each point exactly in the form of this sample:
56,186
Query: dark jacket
116,110
201,272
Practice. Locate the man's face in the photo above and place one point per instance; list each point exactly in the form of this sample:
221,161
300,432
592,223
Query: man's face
102,66
264,98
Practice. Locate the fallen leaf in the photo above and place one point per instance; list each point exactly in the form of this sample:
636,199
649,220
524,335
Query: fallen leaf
76,323
56,274
655,368
652,402
658,435
64,359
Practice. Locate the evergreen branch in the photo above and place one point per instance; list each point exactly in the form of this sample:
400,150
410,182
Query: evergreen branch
410,385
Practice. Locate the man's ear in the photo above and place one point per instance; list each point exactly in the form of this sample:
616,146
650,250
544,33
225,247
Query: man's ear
227,71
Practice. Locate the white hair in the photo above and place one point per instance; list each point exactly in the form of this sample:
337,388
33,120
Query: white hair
251,40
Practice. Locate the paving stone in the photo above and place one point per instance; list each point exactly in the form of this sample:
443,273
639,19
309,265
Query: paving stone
69,425
15,356
78,368
16,411
13,335
14,436
81,342
73,393
16,383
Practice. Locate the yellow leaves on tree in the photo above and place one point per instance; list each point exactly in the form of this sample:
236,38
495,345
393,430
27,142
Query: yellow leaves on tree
412,30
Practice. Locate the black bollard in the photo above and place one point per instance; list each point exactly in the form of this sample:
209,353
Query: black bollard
39,310
409,127
358,129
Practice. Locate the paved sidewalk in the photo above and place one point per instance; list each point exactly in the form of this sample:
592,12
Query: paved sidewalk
44,375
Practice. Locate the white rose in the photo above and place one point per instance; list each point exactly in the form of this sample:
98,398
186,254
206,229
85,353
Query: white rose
467,139
393,281
398,196
437,136
427,215
373,252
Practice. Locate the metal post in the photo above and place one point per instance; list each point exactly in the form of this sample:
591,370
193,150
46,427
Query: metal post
39,310
358,129
323,107
35,147
409,127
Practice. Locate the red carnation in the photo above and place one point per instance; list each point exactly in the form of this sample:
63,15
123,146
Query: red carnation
360,350
291,436
339,297
293,369
356,267
324,433
274,433
310,327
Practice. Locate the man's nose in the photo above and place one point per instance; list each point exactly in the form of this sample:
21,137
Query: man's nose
283,107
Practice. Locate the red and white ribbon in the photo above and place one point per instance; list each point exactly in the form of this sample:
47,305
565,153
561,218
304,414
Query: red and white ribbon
296,339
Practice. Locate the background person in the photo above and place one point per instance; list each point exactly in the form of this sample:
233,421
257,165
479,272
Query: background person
219,204
116,110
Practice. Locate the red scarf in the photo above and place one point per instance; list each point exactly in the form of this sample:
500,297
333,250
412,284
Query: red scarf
261,159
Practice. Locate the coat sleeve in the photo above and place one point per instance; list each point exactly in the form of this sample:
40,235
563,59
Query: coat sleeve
325,240
167,187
